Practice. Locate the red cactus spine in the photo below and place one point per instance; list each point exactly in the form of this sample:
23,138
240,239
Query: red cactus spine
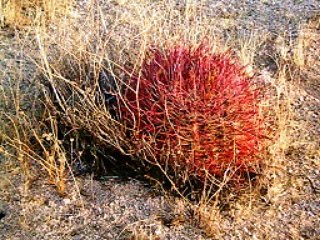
196,110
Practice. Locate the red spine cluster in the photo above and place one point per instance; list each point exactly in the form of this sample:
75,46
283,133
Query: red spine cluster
196,110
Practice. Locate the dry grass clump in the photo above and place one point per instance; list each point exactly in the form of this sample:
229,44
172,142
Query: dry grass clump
306,42
306,56
28,131
20,13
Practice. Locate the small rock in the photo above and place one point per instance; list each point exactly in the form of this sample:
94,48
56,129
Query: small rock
77,237
66,201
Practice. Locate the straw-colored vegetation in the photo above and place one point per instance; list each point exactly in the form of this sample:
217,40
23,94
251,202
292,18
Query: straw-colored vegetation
22,13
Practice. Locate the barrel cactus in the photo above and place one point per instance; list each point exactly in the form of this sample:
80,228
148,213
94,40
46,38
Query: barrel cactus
196,112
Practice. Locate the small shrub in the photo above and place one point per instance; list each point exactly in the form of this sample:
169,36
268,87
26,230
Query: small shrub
196,112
